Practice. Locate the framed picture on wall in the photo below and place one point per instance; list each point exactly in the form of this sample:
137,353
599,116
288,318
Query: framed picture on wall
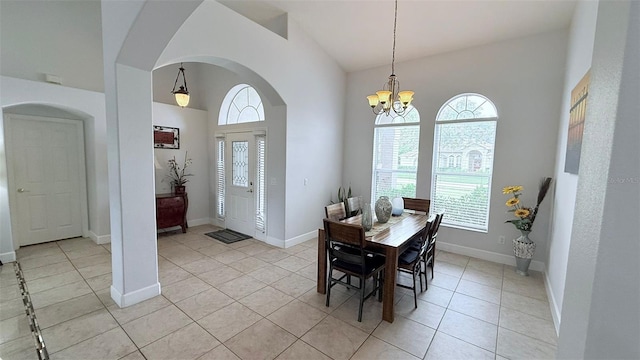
577,114
165,137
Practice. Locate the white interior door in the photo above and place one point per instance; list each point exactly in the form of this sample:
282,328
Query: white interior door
240,180
46,171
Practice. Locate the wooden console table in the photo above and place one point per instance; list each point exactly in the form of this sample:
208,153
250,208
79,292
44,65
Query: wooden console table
171,210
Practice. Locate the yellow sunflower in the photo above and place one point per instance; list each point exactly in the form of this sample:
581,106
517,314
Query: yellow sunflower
512,202
507,190
522,213
517,188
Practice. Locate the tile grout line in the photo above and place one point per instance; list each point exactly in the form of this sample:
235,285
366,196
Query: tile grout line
101,302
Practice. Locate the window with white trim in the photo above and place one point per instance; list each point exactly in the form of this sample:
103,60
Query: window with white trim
261,210
395,154
242,104
220,188
465,129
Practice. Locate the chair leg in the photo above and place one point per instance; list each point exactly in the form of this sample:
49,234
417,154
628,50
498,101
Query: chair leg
380,284
329,285
432,266
415,297
419,269
362,286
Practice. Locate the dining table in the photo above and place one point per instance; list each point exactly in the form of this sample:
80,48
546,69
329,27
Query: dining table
391,239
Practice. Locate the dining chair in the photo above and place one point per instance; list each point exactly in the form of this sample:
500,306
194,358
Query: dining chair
360,263
335,211
429,257
410,261
417,204
353,206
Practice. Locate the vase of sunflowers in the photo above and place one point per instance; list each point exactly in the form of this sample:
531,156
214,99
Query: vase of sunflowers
523,247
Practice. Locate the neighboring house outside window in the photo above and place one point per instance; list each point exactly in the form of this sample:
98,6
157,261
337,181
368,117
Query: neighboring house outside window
464,138
395,155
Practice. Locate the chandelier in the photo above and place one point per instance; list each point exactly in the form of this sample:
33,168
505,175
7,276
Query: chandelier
182,94
390,97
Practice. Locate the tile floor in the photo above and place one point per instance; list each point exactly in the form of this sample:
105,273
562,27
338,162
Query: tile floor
249,300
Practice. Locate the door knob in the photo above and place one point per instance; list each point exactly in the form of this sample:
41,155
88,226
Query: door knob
21,190
250,190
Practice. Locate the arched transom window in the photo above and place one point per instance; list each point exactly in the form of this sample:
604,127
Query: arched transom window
242,104
463,151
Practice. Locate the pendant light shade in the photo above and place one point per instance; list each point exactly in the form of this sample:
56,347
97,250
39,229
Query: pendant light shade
182,94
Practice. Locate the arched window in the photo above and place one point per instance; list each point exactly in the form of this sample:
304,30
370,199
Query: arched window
242,104
395,154
466,124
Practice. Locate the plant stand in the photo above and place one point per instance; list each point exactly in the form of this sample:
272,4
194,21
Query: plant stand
523,249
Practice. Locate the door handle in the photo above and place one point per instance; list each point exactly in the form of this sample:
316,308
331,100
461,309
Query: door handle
21,190
250,190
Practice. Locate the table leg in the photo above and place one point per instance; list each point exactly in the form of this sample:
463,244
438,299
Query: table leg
391,264
322,264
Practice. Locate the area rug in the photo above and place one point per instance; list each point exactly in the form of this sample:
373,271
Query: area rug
228,236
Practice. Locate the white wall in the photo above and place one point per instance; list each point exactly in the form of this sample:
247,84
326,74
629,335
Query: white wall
600,317
193,125
524,78
579,51
62,38
313,137
91,105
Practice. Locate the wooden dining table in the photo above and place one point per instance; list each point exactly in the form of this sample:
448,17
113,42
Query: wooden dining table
389,239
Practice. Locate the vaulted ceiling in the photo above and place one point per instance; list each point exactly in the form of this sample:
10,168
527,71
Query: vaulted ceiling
64,37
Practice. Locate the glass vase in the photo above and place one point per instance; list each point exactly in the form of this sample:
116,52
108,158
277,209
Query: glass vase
367,221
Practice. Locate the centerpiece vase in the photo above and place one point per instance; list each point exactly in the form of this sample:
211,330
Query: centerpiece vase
367,222
523,249
179,189
383,209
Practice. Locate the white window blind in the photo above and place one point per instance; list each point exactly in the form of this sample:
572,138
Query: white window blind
220,194
465,130
395,155
261,221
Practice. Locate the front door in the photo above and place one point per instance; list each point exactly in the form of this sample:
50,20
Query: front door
45,163
240,180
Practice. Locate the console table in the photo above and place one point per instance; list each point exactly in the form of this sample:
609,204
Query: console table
171,210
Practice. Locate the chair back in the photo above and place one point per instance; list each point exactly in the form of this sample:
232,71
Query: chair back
434,233
335,211
353,206
436,225
416,204
425,234
340,234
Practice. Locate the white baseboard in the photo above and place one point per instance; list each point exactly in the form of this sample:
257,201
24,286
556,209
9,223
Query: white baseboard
487,255
198,222
301,238
99,239
8,257
553,304
274,242
134,297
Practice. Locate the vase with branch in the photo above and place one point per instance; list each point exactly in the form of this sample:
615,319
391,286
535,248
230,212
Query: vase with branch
523,247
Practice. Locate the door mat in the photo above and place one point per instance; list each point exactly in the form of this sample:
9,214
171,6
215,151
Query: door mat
228,236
